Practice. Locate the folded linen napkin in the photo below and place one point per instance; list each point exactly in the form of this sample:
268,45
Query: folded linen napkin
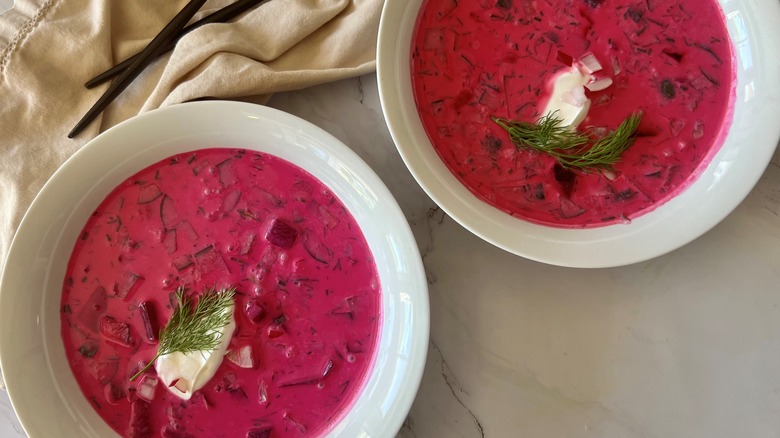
49,48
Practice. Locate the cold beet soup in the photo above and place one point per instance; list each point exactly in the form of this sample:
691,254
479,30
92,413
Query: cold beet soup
591,65
232,246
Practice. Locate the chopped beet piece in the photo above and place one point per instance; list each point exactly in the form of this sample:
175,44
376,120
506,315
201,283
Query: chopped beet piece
564,58
275,331
281,234
148,193
103,371
674,55
254,311
462,98
139,426
115,331
128,284
594,3
317,250
259,433
149,318
566,178
168,213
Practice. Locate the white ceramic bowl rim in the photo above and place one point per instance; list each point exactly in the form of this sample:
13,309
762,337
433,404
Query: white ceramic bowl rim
40,385
725,182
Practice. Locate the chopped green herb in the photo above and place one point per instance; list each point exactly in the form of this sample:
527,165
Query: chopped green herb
573,150
667,89
88,350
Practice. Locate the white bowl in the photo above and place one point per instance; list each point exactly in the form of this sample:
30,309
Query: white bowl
40,384
729,177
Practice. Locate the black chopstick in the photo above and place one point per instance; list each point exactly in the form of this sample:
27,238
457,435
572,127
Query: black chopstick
225,14
144,58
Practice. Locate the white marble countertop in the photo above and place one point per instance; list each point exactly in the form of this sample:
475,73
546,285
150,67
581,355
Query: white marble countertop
685,345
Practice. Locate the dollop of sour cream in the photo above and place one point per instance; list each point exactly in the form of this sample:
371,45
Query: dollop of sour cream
568,97
185,373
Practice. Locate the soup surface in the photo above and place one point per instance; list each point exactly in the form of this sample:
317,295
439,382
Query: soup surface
670,60
306,303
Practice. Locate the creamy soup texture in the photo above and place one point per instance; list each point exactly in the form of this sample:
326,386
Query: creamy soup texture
306,303
670,60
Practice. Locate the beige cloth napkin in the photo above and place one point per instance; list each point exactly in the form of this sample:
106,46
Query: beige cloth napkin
49,48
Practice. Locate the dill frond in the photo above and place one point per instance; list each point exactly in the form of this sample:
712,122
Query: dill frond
194,328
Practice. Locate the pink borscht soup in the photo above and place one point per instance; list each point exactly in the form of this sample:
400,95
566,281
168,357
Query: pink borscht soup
670,61
306,302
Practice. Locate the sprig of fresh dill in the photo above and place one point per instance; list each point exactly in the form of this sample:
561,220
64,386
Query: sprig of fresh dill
573,150
194,329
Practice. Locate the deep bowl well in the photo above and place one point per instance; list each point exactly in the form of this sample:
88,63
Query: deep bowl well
721,186
40,384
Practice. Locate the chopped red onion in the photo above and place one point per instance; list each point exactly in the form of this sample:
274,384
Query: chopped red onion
589,64
262,393
242,357
599,84
146,387
254,311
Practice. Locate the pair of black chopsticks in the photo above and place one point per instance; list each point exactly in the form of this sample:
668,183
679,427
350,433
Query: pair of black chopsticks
164,42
